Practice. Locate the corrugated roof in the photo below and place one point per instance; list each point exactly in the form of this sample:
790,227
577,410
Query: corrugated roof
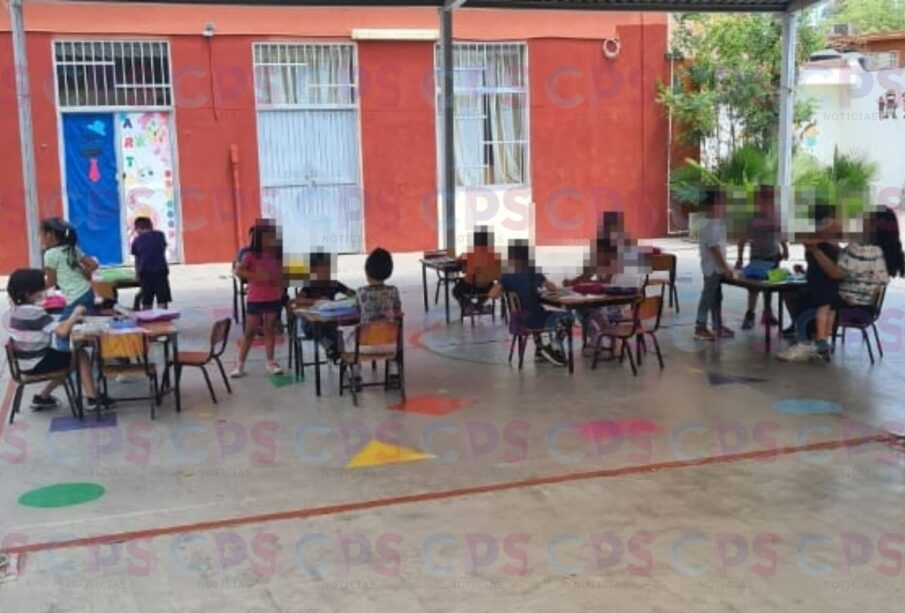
586,5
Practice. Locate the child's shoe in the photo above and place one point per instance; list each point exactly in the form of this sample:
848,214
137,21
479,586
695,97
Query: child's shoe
748,322
801,352
701,333
725,332
274,369
238,372
40,403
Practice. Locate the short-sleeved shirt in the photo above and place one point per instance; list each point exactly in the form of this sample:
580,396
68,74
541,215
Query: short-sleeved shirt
324,290
865,273
525,285
713,234
378,302
71,280
266,284
823,288
765,237
483,266
31,330
150,251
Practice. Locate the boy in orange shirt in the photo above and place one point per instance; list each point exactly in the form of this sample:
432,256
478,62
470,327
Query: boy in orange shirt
482,267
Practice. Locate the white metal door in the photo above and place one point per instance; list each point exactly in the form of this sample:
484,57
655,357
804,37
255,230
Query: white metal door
308,153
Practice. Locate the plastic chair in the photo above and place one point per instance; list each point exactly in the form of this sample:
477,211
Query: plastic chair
665,262
861,318
125,349
23,380
200,359
375,341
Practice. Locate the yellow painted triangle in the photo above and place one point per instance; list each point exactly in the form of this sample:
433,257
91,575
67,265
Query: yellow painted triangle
377,453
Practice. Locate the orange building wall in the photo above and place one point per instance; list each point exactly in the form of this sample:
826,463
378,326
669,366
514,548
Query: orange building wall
598,137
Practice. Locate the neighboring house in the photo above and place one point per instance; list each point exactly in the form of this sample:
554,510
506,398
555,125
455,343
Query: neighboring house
206,117
882,50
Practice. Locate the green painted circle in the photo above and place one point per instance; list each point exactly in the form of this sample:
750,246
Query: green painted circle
61,495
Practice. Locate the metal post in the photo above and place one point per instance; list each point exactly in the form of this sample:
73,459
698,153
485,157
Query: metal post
787,81
447,134
23,98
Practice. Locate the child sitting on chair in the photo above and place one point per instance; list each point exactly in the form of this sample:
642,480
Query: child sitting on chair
319,287
523,280
482,267
377,301
31,330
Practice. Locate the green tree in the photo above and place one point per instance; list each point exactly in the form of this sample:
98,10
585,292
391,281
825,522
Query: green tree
732,62
870,16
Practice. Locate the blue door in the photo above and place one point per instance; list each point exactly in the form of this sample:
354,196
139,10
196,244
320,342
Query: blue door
92,184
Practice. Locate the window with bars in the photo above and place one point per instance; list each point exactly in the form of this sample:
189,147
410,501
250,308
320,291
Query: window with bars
881,60
299,75
113,73
490,111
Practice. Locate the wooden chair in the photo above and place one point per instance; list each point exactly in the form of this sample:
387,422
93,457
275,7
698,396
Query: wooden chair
665,263
23,380
520,333
645,321
382,341
200,359
861,318
126,354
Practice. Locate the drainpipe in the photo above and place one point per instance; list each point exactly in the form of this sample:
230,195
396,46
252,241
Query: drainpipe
237,193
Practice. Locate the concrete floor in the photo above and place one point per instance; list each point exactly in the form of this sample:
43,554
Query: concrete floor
703,493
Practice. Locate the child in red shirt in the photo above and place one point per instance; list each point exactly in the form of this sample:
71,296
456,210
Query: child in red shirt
262,268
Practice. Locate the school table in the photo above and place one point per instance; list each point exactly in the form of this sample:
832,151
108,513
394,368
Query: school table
768,289
448,270
318,318
574,301
86,333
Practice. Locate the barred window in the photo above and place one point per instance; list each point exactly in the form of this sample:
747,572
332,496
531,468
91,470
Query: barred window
294,75
880,60
491,114
113,73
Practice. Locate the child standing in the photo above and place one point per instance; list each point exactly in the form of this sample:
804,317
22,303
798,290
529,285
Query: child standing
262,268
31,330
712,249
66,266
764,234
150,251
321,286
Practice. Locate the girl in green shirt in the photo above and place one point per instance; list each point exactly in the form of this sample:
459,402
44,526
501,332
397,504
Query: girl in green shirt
66,266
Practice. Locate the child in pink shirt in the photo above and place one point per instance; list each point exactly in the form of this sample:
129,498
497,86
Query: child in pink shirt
262,268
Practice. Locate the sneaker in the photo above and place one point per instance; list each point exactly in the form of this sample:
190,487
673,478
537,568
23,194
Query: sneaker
701,333
553,356
822,357
768,319
797,353
101,402
748,322
274,369
790,332
238,372
725,332
39,403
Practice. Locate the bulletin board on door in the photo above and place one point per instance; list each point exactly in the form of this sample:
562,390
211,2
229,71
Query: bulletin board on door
119,166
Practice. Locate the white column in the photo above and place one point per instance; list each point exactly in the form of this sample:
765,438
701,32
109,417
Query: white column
787,83
26,136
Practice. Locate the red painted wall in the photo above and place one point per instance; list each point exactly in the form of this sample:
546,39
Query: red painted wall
14,249
398,145
598,137
215,108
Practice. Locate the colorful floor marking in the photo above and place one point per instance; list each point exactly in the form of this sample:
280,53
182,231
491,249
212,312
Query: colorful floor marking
377,453
61,495
717,379
283,380
606,428
807,406
431,405
68,424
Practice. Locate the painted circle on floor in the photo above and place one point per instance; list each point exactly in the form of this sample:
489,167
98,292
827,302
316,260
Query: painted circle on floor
807,406
432,404
61,495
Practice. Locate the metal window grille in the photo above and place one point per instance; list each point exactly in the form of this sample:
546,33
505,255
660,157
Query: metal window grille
880,60
489,77
304,75
119,73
